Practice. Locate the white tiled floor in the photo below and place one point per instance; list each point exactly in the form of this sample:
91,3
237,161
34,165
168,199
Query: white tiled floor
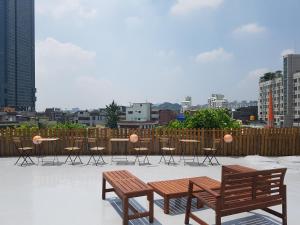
70,195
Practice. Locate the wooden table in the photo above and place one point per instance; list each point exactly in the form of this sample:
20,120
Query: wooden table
126,186
124,152
179,188
183,144
54,149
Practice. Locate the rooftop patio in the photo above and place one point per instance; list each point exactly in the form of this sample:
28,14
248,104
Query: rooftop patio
65,194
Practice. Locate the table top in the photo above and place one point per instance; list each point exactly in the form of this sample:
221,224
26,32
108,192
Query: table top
179,187
189,141
48,139
119,139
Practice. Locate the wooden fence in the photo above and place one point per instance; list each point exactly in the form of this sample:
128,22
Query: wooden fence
246,141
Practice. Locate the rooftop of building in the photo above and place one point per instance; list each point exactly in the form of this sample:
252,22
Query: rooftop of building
71,195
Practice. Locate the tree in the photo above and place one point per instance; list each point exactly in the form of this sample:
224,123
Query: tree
112,113
207,118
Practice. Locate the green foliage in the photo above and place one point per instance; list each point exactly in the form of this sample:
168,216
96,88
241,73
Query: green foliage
68,125
206,118
28,125
112,112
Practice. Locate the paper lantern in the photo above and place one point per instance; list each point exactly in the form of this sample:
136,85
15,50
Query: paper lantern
37,140
228,138
133,138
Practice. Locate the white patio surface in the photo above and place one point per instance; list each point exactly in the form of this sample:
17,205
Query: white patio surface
71,195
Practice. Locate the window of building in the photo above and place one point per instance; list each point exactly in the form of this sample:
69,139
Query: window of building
130,112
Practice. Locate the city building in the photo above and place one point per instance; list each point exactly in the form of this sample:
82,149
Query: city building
241,104
54,114
95,118
166,115
245,114
217,101
271,82
17,59
138,112
291,65
296,77
186,104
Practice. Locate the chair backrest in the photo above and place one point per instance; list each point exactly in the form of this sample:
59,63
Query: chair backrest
144,142
216,143
93,142
17,142
251,188
77,142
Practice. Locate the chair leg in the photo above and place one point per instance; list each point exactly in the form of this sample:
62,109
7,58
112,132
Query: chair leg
206,157
18,159
102,160
88,163
69,157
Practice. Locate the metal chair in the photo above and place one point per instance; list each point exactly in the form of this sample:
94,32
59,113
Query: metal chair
76,145
24,151
96,148
210,153
166,148
142,149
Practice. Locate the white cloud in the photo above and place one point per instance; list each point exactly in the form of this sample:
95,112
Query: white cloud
214,55
183,7
66,76
63,8
248,85
133,22
251,80
250,28
287,51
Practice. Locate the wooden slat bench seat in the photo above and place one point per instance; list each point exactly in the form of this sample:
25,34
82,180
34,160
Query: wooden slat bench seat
126,186
178,188
241,192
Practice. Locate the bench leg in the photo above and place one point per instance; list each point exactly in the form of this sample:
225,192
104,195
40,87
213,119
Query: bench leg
166,205
103,188
199,204
151,207
125,211
218,219
284,211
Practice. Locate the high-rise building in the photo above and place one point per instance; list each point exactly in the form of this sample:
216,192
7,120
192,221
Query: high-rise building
217,101
271,82
291,65
296,99
17,64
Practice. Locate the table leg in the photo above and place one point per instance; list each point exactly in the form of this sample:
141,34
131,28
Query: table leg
103,188
125,211
151,206
166,205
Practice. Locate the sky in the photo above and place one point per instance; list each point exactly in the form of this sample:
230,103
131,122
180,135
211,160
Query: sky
91,52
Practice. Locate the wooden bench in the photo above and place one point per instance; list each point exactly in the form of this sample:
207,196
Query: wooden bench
126,186
241,192
178,188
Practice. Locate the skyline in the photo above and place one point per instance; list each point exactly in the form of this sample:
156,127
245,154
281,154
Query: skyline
89,53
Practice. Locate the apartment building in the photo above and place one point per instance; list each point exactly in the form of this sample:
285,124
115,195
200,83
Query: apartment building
217,101
271,82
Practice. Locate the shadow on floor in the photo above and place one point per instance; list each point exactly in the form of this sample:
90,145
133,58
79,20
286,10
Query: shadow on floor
256,218
177,206
117,205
